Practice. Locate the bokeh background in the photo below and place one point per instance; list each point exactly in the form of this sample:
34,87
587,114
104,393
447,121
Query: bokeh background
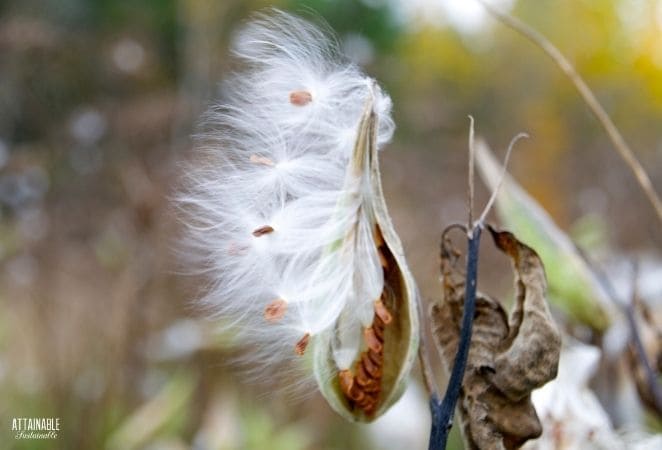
98,101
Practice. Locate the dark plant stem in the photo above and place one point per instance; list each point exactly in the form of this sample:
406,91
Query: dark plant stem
651,377
628,310
442,412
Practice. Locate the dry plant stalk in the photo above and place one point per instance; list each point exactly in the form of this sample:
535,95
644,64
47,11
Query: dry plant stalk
587,95
508,357
644,355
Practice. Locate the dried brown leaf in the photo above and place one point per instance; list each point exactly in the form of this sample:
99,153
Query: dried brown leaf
509,355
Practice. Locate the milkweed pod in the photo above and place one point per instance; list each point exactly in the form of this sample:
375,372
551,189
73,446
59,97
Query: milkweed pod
285,215
380,376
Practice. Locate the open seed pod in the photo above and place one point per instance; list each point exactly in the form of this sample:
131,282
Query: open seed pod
378,374
285,215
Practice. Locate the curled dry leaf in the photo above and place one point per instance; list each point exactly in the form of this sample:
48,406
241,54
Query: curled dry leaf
508,357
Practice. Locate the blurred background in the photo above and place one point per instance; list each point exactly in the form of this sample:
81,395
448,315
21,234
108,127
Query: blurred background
98,101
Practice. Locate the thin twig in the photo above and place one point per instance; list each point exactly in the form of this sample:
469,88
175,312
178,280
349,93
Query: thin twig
635,338
472,159
564,64
492,199
442,411
628,310
424,357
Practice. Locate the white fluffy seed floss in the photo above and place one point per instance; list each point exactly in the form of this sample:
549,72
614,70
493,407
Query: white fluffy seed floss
280,215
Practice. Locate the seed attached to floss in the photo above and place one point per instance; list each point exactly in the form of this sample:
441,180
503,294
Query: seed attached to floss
300,98
275,310
265,229
257,159
300,347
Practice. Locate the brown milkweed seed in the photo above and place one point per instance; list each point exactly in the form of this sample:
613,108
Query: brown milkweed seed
376,357
300,98
300,347
265,229
363,387
370,367
256,159
382,312
275,310
371,340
